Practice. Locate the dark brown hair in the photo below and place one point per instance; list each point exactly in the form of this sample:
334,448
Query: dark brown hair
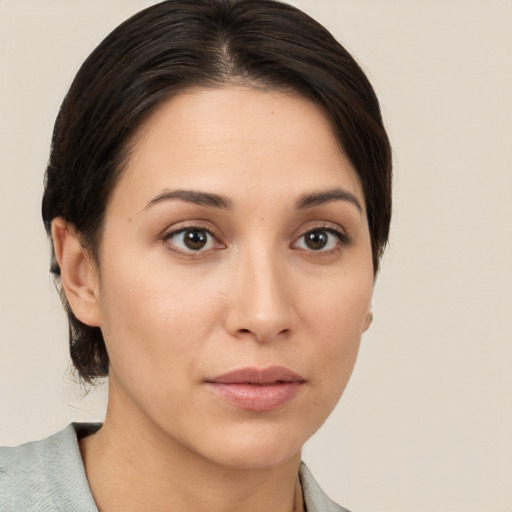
178,44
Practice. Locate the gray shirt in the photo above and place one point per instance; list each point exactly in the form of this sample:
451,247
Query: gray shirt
49,476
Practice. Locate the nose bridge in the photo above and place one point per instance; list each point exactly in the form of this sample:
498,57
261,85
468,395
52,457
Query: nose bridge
262,303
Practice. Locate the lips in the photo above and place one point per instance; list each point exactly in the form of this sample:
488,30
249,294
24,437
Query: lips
255,389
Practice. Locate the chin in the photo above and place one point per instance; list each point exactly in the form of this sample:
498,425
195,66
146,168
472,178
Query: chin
255,447
258,456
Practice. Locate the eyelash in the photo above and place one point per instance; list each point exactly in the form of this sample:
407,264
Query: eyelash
193,227
342,240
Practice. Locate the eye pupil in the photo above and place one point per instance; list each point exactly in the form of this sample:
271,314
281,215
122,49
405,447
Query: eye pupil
316,240
195,239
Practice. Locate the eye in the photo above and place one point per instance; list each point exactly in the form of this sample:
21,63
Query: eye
191,239
320,240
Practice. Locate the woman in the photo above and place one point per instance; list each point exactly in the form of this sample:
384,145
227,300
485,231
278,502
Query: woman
218,198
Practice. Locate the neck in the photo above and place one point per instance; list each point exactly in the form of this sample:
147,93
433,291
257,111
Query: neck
132,464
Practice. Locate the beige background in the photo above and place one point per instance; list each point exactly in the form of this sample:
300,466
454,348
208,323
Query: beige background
426,422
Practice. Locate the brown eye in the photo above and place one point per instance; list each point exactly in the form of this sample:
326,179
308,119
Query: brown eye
191,239
195,239
316,240
321,240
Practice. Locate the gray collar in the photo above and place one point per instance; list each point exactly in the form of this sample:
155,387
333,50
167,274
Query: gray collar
49,475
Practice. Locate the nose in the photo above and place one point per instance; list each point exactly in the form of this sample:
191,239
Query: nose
261,303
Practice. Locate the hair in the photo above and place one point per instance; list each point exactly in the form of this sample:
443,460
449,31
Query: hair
180,44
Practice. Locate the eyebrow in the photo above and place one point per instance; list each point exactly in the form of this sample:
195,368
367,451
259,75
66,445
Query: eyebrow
327,196
219,201
192,196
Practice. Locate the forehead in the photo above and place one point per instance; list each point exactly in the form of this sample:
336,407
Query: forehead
237,141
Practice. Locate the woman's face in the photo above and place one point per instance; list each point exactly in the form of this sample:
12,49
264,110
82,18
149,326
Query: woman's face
235,275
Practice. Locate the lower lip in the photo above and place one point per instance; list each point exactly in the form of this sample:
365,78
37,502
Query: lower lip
255,397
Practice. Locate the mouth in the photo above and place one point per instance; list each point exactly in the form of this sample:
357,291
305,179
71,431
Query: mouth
255,389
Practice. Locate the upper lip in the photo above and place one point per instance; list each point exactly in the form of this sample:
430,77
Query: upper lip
262,376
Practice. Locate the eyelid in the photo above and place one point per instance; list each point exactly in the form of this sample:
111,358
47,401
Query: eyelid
326,226
189,225
329,227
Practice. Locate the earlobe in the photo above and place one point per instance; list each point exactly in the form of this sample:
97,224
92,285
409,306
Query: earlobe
368,320
78,273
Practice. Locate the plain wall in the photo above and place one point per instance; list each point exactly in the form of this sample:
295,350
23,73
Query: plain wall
425,424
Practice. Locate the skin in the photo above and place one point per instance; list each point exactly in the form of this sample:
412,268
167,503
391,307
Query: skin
256,295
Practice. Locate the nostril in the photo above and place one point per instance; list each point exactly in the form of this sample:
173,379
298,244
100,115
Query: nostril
280,333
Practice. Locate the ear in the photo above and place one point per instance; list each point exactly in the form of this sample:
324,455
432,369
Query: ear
79,274
369,319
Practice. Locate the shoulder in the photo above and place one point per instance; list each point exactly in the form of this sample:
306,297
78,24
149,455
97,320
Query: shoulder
45,475
315,499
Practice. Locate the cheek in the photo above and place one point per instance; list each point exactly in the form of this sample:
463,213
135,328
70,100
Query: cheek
155,319
337,317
